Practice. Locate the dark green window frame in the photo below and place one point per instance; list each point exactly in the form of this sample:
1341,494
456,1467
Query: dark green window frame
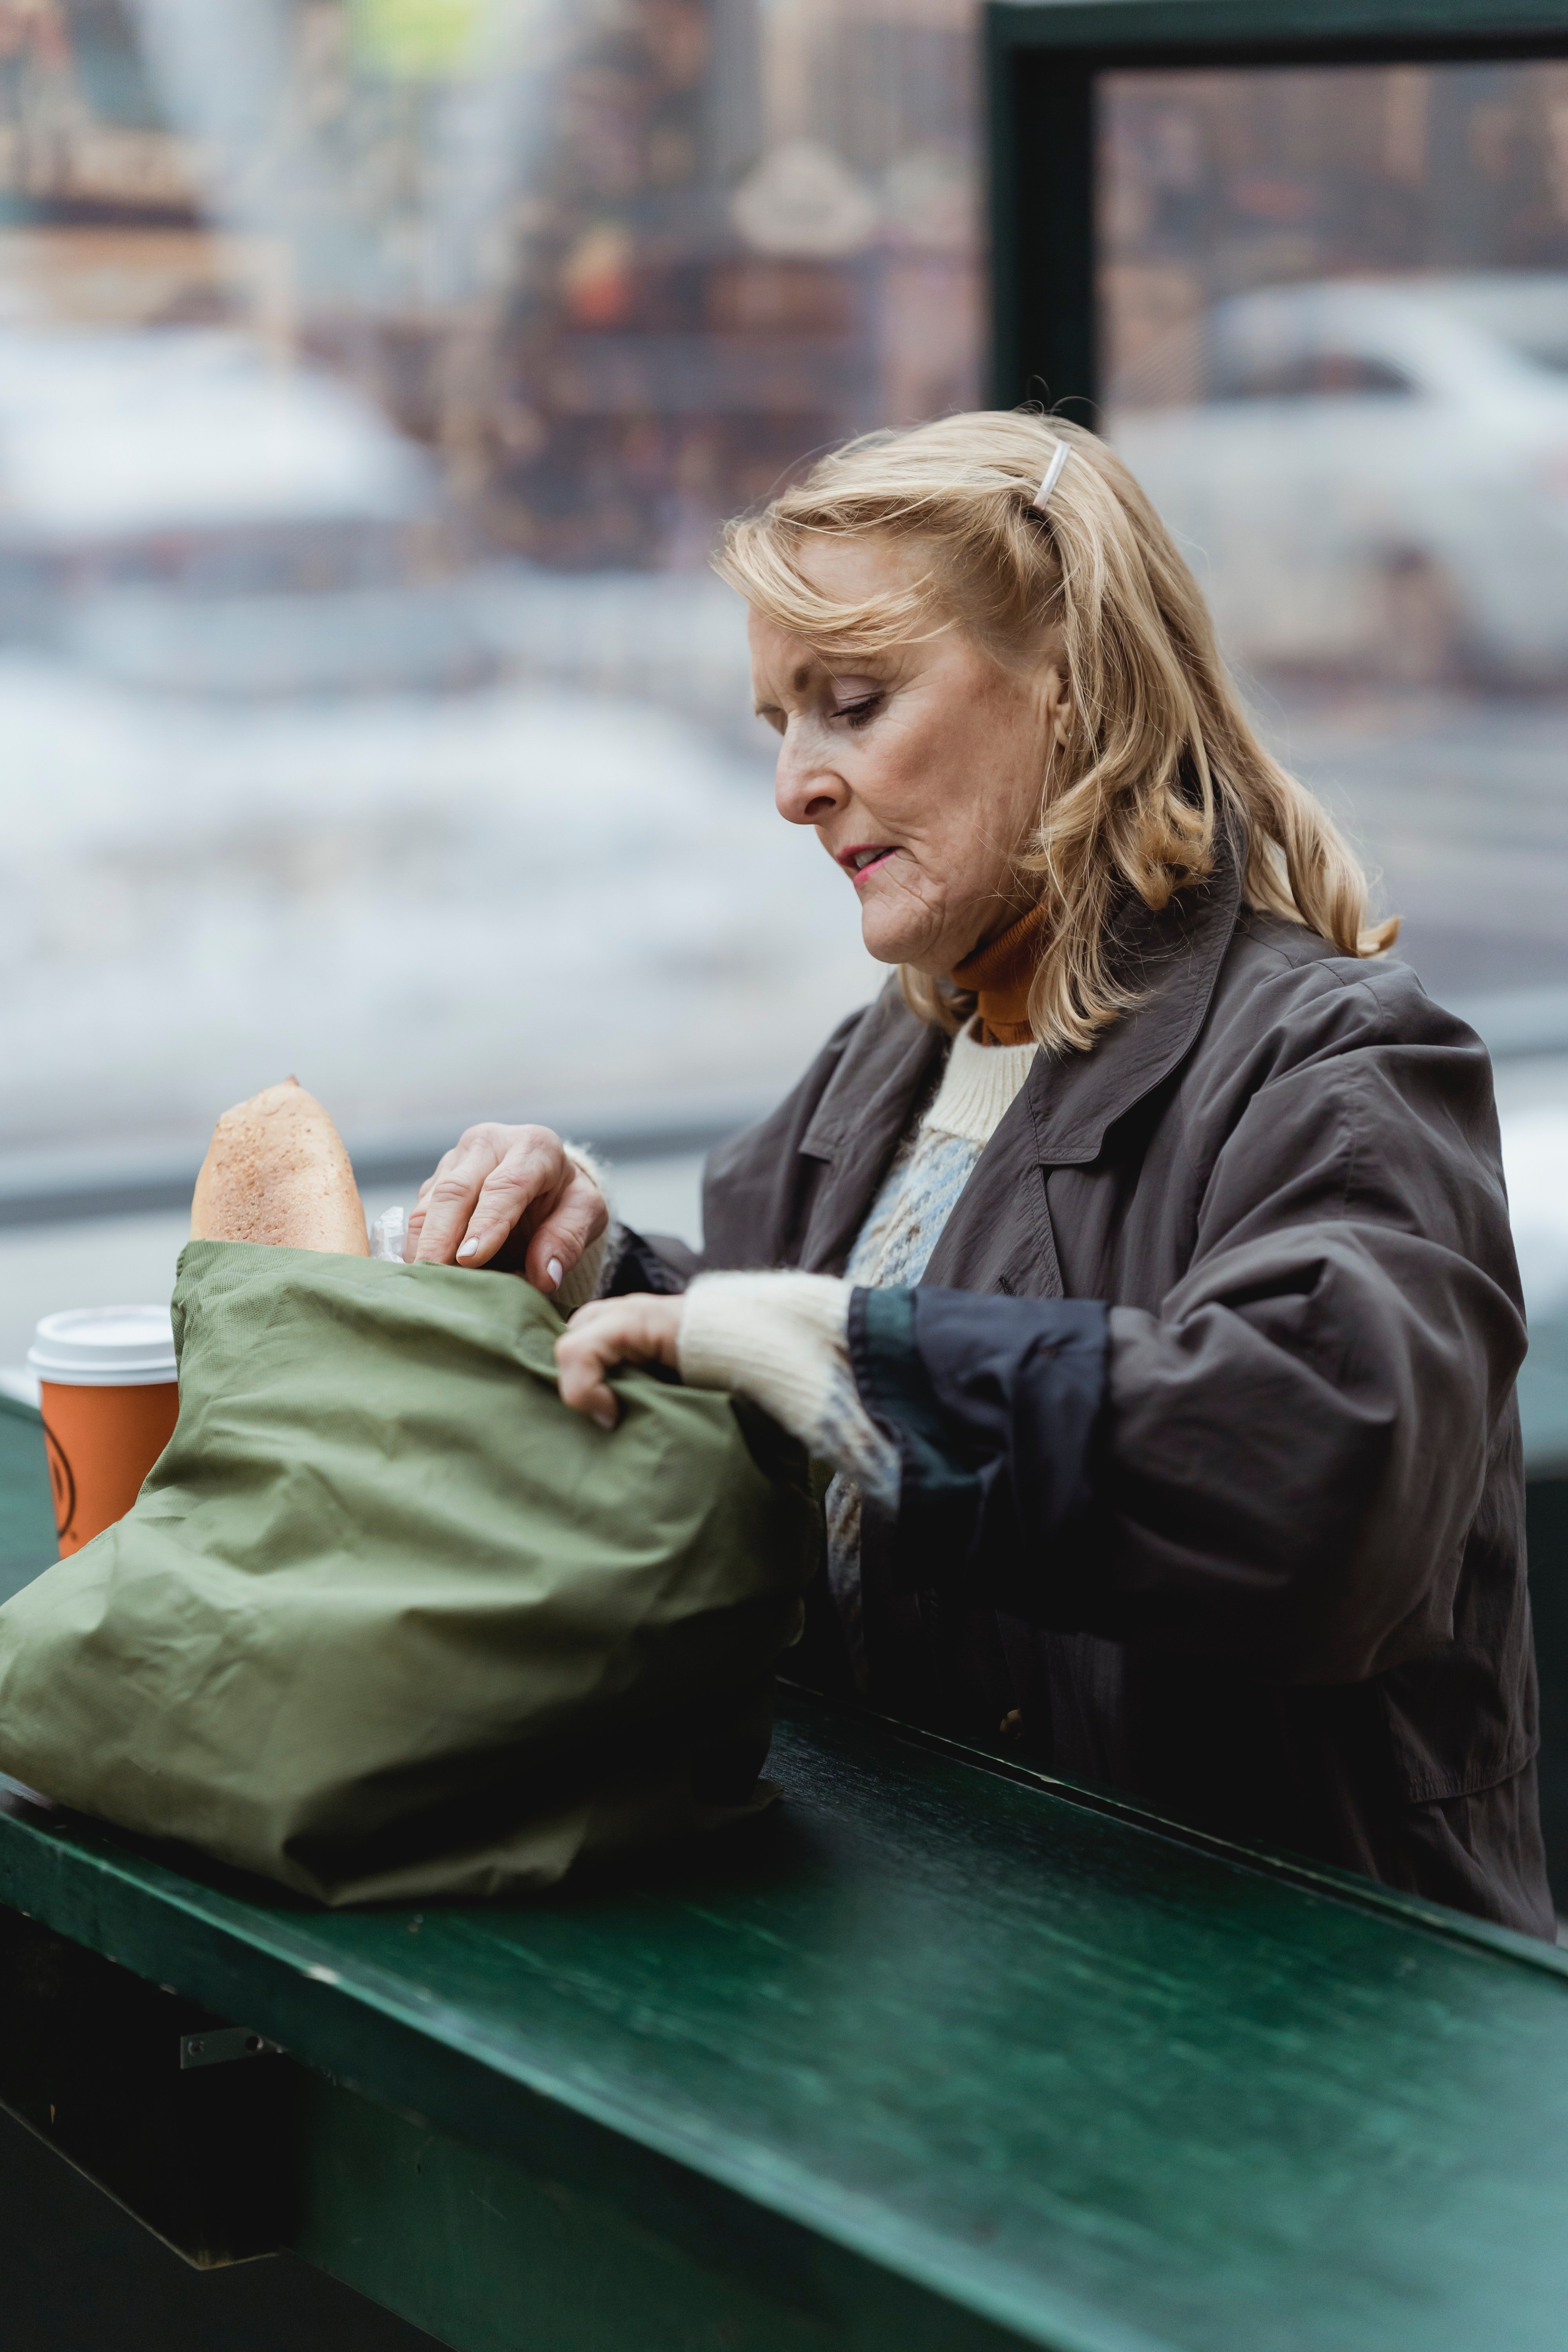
1042,60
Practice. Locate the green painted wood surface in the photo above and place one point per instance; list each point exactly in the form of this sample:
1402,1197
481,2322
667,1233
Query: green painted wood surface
1094,2084
493,2256
26,1515
943,2056
1247,24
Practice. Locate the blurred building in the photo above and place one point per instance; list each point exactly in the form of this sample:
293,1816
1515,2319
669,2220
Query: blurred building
334,334
1334,327
1215,183
620,267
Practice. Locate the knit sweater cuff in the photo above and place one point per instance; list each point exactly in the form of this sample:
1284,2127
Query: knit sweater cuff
772,1337
782,1340
582,1282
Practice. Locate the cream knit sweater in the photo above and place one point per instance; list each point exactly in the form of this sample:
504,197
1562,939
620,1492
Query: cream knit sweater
782,1338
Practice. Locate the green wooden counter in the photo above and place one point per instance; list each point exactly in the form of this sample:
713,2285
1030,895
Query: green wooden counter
946,2055
26,1514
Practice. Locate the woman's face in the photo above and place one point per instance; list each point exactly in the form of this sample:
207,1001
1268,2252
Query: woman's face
922,770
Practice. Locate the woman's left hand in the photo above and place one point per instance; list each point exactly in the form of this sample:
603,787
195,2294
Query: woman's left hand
639,1329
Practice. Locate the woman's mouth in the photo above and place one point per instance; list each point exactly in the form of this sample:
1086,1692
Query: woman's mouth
863,859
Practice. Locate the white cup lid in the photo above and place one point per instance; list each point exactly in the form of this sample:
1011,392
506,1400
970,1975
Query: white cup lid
104,1346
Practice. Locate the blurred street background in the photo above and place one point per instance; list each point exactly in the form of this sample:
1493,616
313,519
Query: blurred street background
373,377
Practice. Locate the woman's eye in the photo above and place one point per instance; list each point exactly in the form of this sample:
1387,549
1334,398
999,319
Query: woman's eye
859,713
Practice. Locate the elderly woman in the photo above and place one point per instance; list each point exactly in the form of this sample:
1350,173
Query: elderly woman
1139,1262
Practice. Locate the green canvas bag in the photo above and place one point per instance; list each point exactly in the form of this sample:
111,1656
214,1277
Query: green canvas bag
387,1620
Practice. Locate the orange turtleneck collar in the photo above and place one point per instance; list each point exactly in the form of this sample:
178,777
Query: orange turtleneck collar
999,974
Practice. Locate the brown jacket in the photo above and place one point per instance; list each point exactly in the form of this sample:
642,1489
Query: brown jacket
1292,1606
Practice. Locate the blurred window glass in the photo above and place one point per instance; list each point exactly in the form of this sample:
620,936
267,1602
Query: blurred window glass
374,376
1333,308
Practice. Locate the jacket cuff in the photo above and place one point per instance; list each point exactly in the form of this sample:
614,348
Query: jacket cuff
993,1404
638,1262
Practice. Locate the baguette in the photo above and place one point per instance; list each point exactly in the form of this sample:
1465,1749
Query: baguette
275,1171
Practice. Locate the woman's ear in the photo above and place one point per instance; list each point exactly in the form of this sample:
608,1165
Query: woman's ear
1056,704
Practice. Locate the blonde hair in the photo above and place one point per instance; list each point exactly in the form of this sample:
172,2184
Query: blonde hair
1160,745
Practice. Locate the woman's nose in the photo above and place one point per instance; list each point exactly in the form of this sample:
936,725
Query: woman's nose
806,788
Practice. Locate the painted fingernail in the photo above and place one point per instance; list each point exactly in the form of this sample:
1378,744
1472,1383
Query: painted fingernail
553,1271
605,1420
466,1249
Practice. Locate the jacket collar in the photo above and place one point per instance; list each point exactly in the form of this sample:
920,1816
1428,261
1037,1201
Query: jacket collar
863,1113
1174,957
1068,1101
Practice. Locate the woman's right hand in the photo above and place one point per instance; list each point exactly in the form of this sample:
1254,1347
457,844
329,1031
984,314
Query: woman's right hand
496,1178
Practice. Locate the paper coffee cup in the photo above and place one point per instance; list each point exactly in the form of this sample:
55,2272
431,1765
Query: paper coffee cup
109,1396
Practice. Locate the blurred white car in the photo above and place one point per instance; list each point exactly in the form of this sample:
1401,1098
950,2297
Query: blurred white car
1369,476
193,458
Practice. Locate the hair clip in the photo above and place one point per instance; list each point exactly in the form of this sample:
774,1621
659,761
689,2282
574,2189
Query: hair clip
1042,497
